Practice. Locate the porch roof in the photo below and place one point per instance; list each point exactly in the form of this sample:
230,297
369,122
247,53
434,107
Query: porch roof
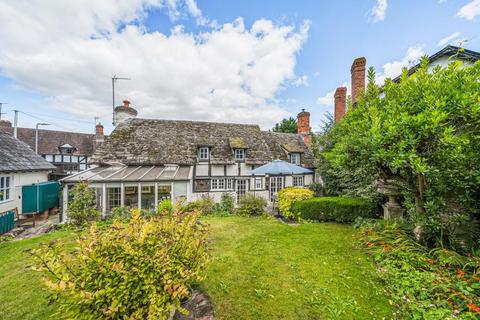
123,173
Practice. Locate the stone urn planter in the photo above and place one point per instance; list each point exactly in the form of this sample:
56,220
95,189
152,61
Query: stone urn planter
391,209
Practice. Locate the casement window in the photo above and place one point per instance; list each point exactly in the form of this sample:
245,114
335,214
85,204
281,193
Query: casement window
203,153
239,154
218,184
298,181
49,157
258,183
6,186
221,184
114,197
295,158
229,183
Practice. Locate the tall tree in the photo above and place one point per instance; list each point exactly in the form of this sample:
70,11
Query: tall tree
424,134
286,126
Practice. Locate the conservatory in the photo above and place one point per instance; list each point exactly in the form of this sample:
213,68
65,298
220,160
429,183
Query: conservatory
141,187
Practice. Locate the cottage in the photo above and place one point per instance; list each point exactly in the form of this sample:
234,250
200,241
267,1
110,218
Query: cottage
69,152
144,161
19,166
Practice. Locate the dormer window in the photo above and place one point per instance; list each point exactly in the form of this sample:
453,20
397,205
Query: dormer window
203,154
239,154
295,158
66,149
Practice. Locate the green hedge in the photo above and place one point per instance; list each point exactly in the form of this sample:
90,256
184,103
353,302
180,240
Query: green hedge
338,209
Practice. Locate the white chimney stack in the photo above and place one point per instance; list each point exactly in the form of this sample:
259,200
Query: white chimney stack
124,112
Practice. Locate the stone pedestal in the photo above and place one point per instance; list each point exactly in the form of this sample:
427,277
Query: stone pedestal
391,209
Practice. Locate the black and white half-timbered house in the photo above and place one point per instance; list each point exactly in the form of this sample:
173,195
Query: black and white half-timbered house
144,161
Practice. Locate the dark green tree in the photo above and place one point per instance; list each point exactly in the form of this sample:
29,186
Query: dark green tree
286,126
424,134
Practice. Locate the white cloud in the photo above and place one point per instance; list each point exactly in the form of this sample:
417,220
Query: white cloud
448,39
379,11
394,68
470,10
68,51
329,98
301,81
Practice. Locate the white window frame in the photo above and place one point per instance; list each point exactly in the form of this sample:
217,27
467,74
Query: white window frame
239,154
258,183
203,153
298,181
49,157
229,184
295,158
218,184
6,196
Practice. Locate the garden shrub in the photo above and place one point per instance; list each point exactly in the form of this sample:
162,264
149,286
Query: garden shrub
165,207
139,269
338,209
422,283
205,204
287,196
81,209
251,205
226,205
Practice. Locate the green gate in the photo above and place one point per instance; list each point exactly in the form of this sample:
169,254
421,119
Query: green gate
39,197
7,221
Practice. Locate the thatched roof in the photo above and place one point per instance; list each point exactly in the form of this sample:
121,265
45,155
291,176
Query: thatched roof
15,155
157,142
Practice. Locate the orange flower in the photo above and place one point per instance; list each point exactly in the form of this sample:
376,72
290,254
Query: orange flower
473,308
460,273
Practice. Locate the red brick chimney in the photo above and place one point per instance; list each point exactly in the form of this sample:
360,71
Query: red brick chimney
340,103
303,125
358,79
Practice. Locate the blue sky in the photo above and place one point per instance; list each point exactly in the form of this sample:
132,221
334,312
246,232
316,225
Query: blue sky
52,76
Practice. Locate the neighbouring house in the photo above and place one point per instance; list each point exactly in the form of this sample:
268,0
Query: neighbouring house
20,166
69,152
144,161
358,71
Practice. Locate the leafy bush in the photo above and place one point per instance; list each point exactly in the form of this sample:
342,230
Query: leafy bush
338,209
287,196
251,205
140,269
226,205
422,283
120,213
165,208
205,204
82,209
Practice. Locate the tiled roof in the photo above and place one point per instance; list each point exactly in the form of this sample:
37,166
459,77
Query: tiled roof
18,156
157,142
50,140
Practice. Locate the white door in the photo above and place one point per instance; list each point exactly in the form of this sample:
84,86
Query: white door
276,183
241,187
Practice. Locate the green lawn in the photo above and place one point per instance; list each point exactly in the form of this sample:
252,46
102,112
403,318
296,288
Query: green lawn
260,269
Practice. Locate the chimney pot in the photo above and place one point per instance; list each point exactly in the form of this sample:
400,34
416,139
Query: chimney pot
358,79
340,103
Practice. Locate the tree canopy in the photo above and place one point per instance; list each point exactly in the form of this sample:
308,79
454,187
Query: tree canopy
286,126
423,133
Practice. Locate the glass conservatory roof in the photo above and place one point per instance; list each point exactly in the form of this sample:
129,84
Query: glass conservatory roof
120,173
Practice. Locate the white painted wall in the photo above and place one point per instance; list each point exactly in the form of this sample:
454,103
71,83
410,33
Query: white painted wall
21,179
201,170
218,170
